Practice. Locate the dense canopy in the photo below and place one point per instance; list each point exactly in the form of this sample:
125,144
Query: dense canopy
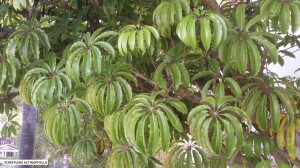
138,79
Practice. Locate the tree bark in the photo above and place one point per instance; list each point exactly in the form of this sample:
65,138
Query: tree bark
212,4
180,92
27,133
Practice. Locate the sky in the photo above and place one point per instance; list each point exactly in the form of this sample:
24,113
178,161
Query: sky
288,69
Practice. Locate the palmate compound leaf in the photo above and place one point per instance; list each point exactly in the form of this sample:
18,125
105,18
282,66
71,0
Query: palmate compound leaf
27,35
258,146
110,89
86,55
8,70
286,14
169,12
8,104
45,84
186,29
150,119
172,65
115,126
123,155
83,149
10,125
178,72
286,136
219,116
62,121
263,99
187,154
222,81
244,45
137,38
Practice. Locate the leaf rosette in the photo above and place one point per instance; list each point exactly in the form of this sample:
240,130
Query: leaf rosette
212,119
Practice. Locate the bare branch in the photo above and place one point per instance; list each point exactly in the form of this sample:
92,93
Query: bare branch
212,4
181,92
7,97
5,32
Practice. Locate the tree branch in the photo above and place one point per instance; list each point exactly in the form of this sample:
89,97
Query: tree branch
285,157
7,97
5,32
212,4
57,4
181,92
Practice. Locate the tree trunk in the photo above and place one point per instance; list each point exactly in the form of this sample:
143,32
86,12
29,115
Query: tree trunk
27,133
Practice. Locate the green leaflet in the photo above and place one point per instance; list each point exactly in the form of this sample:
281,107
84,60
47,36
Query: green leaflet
180,106
140,134
234,87
35,44
254,56
140,39
154,135
164,130
238,129
275,112
295,17
217,137
242,57
268,46
176,75
172,117
285,17
220,91
185,77
204,138
205,33
3,70
158,76
286,102
191,33
252,104
231,140
43,37
240,16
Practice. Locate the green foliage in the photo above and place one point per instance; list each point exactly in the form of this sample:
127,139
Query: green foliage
49,82
243,44
8,69
258,94
172,65
89,52
136,37
135,79
28,35
217,116
284,13
169,12
144,110
62,121
217,76
186,29
184,153
10,127
258,146
110,89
